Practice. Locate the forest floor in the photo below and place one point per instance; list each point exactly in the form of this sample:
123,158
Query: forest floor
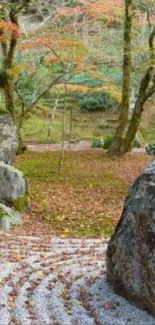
84,199
48,279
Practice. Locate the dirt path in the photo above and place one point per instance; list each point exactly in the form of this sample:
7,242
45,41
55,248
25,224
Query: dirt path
57,146
82,145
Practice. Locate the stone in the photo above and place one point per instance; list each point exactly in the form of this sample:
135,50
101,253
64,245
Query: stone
131,249
8,139
9,217
14,188
150,149
98,143
136,142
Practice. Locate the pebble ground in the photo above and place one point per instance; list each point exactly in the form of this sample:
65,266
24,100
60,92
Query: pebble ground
54,281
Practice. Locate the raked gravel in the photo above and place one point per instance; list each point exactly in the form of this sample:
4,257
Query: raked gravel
54,281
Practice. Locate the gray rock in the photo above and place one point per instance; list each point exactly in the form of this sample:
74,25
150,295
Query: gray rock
150,149
8,139
131,250
9,217
136,143
14,188
98,143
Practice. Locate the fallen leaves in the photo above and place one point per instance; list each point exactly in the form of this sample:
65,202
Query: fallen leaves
109,305
85,199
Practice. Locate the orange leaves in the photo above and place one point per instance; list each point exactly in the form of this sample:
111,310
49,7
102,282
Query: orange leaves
54,60
52,44
7,28
69,11
42,41
110,9
62,50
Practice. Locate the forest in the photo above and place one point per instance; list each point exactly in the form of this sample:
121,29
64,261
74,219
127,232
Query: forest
77,130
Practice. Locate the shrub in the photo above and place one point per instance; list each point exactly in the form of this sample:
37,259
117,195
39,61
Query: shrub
102,143
107,142
98,101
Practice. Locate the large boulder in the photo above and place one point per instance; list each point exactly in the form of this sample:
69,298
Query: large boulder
8,139
14,188
131,250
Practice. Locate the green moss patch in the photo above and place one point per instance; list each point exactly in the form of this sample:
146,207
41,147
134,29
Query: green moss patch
3,214
21,203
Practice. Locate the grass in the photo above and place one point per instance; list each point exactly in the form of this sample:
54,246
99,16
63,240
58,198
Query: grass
85,199
85,126
149,134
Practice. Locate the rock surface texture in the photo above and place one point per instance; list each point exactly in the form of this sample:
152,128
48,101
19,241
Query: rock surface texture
14,188
9,217
131,250
13,185
8,139
13,196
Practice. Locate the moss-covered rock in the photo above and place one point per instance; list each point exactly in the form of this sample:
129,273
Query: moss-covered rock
9,217
22,203
14,188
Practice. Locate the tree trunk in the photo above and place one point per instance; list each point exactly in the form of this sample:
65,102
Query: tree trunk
52,116
70,127
9,100
21,147
143,95
62,154
115,148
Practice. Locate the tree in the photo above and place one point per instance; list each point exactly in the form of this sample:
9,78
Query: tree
125,133
9,80
124,107
9,23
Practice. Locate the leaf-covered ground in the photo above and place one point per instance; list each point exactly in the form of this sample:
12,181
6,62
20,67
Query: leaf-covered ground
85,199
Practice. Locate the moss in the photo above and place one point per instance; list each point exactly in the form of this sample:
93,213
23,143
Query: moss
3,213
3,111
21,203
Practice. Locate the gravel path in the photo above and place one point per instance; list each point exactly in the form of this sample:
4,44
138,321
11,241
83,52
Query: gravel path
53,281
